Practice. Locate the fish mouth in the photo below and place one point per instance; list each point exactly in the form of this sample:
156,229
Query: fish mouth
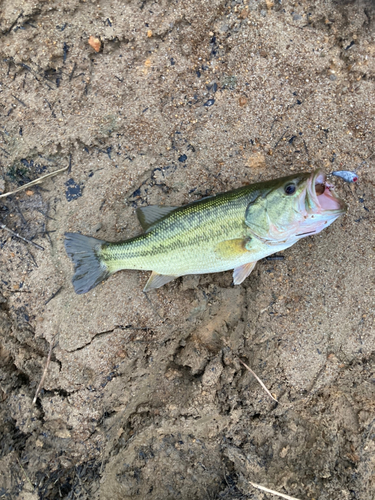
321,198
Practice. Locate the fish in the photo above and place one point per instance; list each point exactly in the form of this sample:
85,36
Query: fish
231,230
346,175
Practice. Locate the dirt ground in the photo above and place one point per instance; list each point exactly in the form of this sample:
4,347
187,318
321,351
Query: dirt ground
145,397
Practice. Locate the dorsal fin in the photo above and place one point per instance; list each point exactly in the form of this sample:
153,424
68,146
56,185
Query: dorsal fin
150,215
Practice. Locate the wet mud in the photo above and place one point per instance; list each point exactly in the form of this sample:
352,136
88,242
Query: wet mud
145,395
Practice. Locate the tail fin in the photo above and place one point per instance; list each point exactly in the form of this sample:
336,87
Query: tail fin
89,267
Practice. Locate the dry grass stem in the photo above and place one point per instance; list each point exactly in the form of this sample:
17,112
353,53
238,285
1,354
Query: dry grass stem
36,181
45,370
263,488
3,226
258,379
27,477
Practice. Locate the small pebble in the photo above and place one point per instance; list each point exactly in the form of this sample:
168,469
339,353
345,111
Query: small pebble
333,77
209,103
95,43
297,17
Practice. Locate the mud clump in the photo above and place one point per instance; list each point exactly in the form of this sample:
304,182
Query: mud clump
145,396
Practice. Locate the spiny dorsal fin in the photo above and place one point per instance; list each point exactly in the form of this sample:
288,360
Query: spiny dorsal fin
152,214
157,280
148,216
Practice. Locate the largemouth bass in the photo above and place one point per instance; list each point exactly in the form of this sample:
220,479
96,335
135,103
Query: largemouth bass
231,230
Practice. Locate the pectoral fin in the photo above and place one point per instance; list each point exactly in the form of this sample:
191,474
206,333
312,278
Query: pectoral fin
242,272
230,249
157,280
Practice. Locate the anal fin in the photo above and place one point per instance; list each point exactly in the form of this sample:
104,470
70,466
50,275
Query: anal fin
157,280
242,272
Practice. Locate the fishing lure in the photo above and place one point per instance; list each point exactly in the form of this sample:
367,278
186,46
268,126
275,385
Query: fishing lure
346,175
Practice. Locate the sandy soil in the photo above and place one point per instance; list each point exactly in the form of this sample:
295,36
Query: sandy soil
147,398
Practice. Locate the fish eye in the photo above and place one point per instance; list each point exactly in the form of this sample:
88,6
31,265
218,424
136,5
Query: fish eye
290,189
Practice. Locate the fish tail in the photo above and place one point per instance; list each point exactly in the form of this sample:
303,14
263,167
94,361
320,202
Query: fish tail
90,268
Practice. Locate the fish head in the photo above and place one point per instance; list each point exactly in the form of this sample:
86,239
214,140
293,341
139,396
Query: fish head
293,207
322,206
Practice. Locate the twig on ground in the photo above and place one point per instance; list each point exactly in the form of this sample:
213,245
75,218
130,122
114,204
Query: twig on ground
19,100
277,142
31,256
152,306
27,477
36,181
258,379
24,221
52,345
53,296
306,150
282,495
275,257
3,226
80,481
72,72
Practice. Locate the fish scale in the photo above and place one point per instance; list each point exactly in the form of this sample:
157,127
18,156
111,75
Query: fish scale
231,230
185,240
